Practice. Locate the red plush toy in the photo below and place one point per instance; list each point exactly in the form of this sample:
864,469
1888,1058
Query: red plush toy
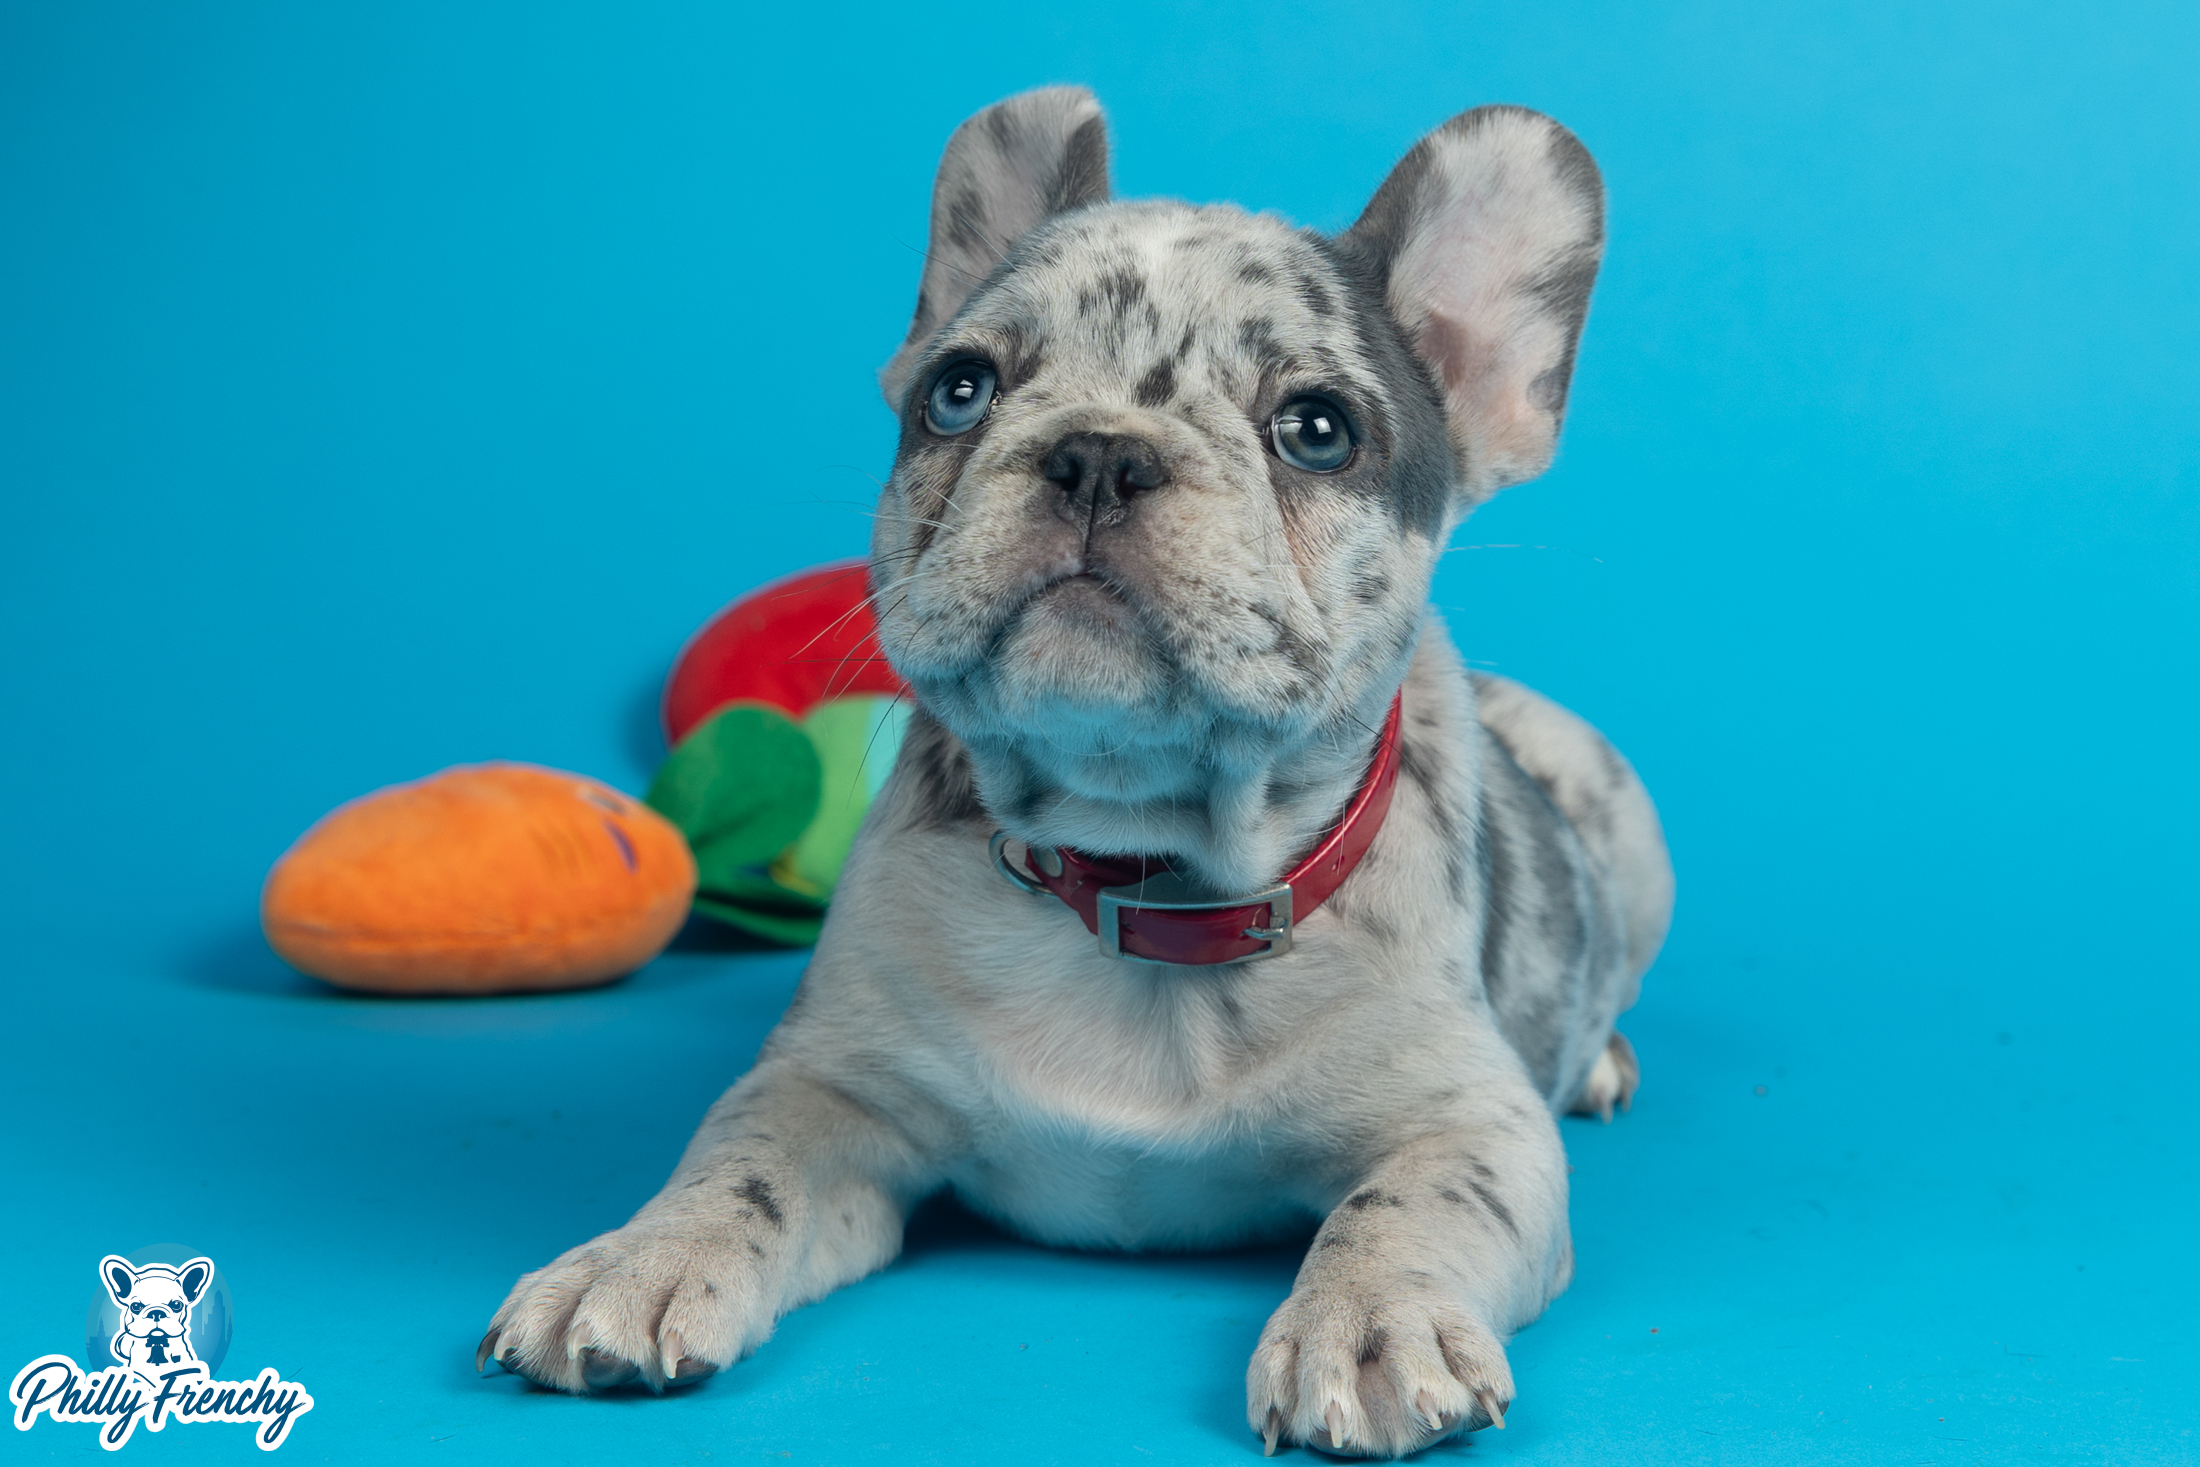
784,719
792,644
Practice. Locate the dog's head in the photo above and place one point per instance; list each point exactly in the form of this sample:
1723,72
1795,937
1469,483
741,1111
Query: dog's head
158,1297
1172,480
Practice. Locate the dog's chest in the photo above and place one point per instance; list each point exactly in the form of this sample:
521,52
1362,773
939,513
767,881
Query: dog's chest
1109,1192
1155,1114
1159,1107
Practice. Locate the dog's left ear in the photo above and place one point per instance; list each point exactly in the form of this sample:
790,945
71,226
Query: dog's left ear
193,1277
1010,167
1486,238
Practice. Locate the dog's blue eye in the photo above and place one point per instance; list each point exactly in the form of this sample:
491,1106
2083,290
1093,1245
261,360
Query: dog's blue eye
137,1308
1311,433
959,398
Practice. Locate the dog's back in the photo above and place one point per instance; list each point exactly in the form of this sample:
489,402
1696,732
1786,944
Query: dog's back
1580,889
1597,790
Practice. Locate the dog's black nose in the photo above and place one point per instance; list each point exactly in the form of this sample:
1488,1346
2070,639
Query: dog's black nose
1098,473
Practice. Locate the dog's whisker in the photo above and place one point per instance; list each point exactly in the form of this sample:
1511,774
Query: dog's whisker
1559,549
849,658
976,231
932,259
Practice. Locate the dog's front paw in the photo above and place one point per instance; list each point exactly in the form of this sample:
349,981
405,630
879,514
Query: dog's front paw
1372,1373
650,1305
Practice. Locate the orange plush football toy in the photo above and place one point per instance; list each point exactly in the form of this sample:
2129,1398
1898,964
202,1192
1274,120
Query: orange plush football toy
488,878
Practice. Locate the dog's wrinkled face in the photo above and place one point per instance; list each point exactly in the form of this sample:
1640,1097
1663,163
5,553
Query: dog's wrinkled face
1170,475
1172,480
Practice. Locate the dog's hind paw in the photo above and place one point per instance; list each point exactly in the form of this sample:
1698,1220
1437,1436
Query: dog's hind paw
1612,1081
639,1306
1358,1378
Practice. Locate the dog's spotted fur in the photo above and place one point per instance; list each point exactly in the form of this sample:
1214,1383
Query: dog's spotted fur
1190,654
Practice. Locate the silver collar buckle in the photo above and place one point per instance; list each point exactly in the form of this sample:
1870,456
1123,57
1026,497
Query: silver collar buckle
1168,892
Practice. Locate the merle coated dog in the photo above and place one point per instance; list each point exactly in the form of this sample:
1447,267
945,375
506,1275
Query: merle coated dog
1211,898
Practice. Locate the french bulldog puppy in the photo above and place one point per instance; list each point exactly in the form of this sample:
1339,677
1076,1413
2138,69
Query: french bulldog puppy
1155,560
156,1305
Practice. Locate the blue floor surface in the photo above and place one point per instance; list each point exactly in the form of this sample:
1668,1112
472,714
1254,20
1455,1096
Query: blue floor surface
384,387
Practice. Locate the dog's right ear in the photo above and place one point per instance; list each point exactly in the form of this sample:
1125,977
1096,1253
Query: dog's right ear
119,1277
1010,167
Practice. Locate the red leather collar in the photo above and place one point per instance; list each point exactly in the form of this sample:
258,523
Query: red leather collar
1140,909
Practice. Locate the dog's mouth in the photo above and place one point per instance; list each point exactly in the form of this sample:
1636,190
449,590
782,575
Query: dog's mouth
1078,636
1081,609
1070,589
1088,599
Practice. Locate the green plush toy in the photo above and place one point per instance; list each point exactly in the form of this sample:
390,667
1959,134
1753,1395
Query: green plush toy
784,720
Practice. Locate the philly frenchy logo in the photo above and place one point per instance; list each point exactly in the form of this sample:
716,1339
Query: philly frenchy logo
157,1376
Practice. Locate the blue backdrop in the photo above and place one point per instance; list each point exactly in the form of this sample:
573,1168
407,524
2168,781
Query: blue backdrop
392,385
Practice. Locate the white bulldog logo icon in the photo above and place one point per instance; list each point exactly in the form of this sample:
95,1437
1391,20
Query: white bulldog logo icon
156,1305
157,1377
